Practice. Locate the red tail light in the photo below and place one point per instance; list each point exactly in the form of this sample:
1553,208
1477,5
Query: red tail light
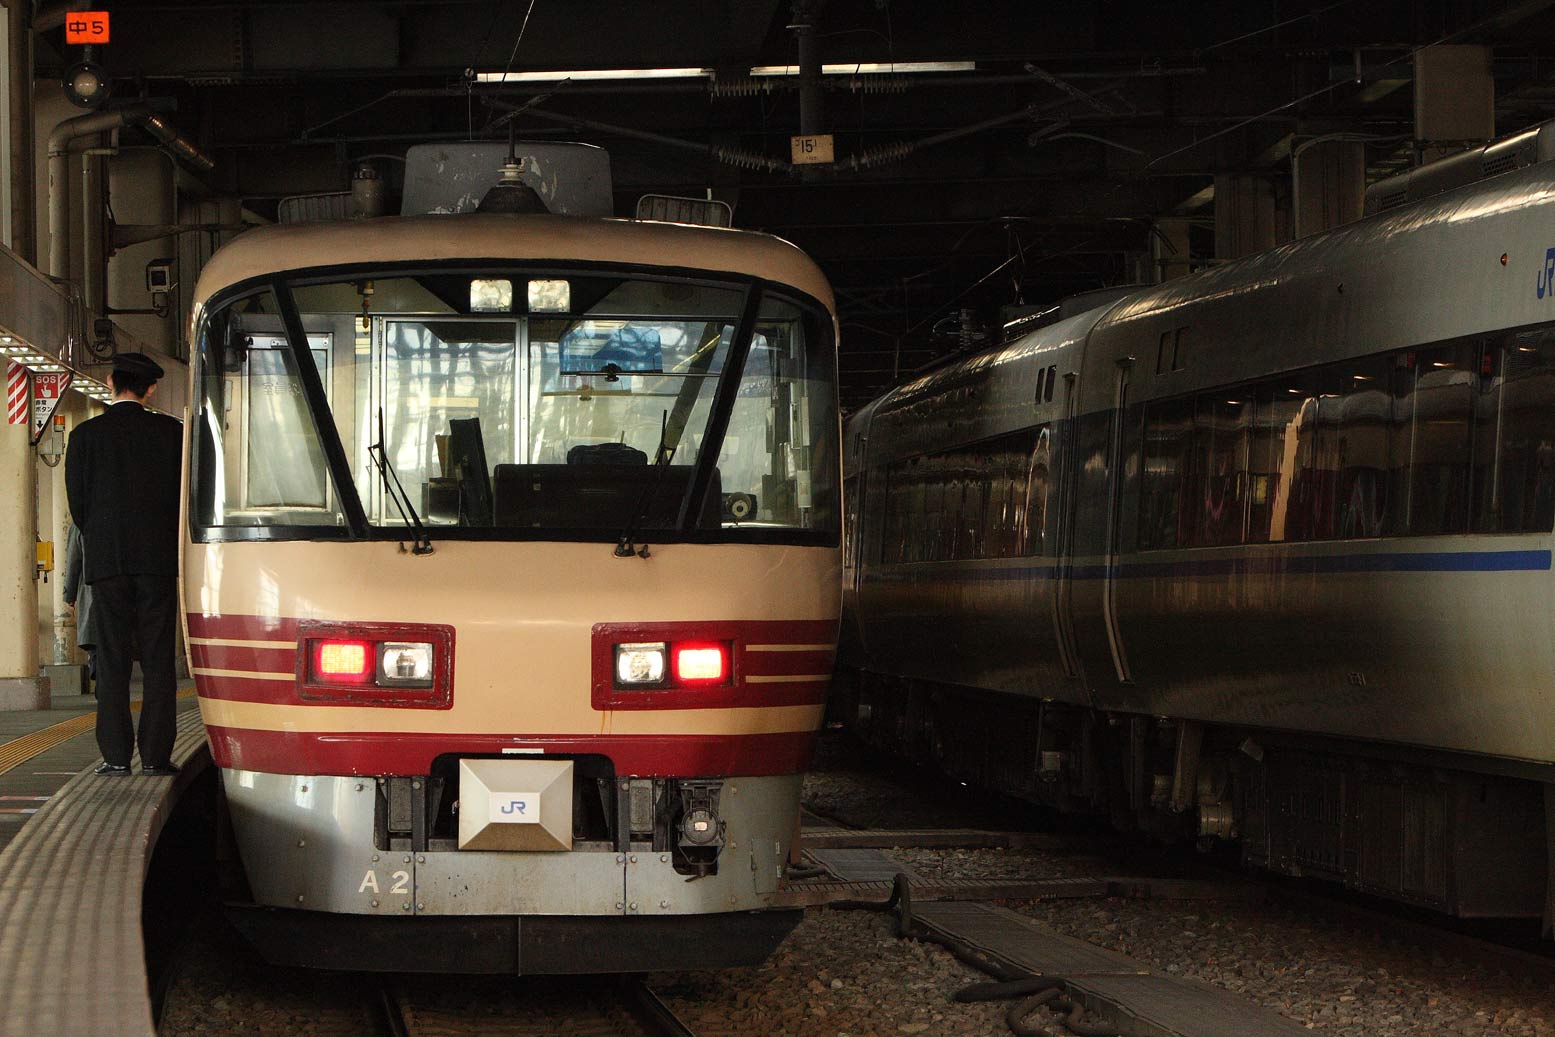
345,661
701,662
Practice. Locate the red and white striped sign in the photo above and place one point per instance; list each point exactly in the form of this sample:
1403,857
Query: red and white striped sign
17,404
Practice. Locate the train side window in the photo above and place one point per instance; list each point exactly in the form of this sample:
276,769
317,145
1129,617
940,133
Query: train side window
1168,427
969,492
1180,349
1036,486
1217,485
257,458
1003,510
1443,395
1163,353
1052,380
1523,471
1368,438
1273,457
850,521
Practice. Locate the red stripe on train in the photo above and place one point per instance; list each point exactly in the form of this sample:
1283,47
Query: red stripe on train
250,689
352,753
243,628
284,693
227,657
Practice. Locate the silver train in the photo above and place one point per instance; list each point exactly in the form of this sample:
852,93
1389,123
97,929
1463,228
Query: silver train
1263,554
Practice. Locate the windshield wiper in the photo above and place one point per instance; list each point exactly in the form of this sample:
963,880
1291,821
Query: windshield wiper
626,546
422,545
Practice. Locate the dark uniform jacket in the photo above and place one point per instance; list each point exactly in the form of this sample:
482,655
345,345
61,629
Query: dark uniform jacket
121,473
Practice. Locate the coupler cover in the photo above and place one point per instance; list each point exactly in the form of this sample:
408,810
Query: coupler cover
515,804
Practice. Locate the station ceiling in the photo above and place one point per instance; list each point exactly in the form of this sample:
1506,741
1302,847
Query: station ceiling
1032,174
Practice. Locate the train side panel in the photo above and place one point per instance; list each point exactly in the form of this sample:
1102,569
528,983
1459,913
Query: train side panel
1429,641
974,604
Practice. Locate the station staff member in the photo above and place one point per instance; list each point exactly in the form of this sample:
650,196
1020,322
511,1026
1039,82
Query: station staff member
121,474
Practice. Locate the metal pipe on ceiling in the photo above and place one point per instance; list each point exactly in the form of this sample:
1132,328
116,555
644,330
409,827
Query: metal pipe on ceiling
20,235
59,166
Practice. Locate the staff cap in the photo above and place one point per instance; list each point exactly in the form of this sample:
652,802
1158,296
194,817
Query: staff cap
137,364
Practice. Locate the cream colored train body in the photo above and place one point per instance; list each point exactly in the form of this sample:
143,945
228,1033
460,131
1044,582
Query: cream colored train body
512,599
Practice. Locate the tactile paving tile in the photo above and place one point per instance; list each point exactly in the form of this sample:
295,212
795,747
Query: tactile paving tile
70,902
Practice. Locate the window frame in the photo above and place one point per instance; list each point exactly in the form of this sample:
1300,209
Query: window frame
1482,355
757,290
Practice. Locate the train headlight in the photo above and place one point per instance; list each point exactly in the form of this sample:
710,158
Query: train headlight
405,664
376,664
640,664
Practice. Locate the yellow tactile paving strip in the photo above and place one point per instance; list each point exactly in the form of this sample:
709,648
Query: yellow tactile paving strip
19,750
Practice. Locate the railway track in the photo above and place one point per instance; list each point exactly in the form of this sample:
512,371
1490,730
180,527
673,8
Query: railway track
613,1006
1192,880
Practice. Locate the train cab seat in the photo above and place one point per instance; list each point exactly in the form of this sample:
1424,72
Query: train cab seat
606,453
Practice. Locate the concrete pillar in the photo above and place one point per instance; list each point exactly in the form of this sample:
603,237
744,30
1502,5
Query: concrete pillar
1246,219
17,119
1169,249
1454,100
63,662
1328,184
20,685
62,642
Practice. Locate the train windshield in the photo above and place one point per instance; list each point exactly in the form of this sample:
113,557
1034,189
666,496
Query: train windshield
516,403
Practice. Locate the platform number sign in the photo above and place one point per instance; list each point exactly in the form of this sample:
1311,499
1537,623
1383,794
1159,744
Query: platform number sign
86,27
811,149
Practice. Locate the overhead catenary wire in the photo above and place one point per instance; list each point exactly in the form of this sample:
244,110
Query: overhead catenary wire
1331,87
1306,16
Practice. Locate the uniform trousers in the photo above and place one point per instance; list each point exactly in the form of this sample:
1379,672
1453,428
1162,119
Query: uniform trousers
136,612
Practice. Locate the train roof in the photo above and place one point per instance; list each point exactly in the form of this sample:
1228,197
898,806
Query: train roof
1456,263
978,367
477,236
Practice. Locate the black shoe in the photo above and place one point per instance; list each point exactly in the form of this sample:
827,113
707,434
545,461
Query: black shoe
112,770
161,770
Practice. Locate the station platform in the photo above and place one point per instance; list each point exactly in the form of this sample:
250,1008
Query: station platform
74,849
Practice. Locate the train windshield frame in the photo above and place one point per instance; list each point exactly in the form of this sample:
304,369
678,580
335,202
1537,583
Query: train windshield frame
514,401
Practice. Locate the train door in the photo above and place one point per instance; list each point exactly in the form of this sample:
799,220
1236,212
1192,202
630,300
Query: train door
850,649
1094,543
1112,554
1062,523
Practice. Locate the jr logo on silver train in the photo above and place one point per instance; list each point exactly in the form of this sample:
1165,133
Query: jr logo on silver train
1546,285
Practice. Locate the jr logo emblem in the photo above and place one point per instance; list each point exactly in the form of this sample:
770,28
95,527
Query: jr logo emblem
1546,284
517,806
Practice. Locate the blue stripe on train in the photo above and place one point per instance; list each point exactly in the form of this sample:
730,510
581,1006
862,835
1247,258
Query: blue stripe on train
1421,562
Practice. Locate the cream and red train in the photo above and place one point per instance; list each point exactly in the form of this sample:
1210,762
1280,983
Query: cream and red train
512,584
